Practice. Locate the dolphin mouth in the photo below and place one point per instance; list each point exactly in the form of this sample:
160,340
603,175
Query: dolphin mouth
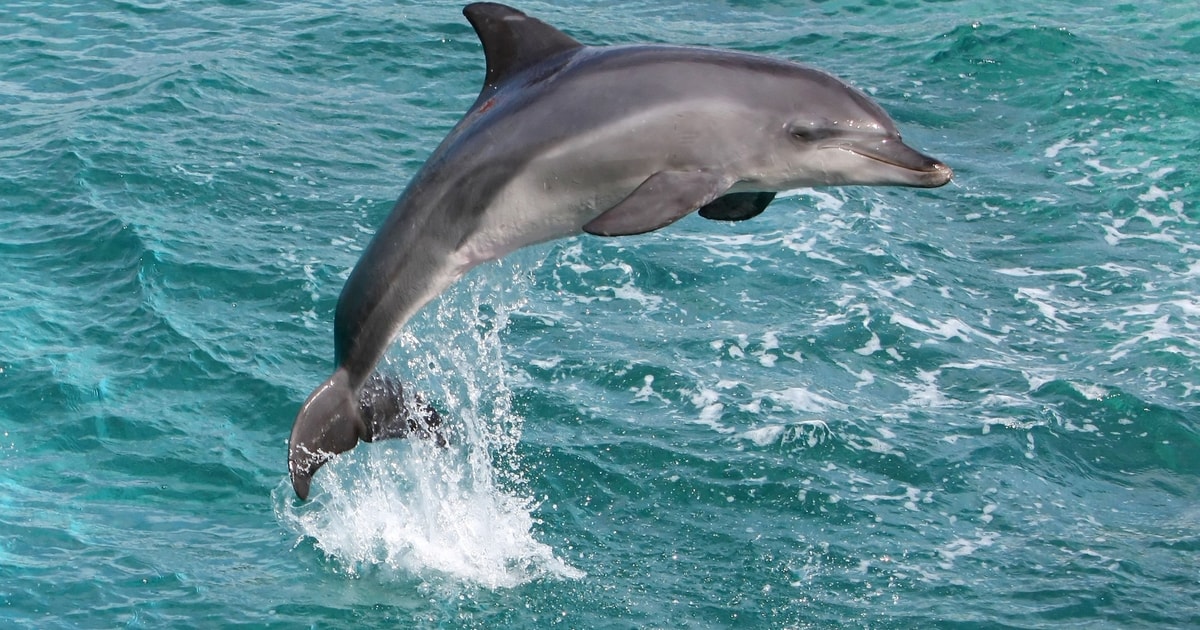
917,169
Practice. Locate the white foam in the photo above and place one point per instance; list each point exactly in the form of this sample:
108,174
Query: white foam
824,201
875,445
547,363
1114,236
803,400
770,342
634,294
1085,181
925,393
873,346
909,498
1162,172
764,436
1090,391
1154,193
1109,170
413,509
807,432
647,390
1054,149
946,330
960,547
1021,272
711,410
1041,299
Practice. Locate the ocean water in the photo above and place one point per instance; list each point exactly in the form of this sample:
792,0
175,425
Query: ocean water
973,406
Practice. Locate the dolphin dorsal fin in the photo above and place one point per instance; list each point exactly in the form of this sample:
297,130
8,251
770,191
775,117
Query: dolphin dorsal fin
513,41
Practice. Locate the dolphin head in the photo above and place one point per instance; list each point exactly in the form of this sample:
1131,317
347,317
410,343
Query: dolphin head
826,132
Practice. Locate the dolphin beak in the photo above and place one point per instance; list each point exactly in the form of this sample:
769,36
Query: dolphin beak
918,169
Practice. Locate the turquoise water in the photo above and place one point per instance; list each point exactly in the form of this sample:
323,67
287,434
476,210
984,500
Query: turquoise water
974,406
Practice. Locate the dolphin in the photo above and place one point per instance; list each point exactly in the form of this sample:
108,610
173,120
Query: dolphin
566,138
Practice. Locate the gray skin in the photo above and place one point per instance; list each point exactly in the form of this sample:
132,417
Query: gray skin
567,138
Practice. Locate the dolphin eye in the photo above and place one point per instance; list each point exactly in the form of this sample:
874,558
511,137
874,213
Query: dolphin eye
808,134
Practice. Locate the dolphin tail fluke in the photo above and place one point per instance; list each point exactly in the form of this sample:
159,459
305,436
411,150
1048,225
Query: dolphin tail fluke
330,422
336,416
387,416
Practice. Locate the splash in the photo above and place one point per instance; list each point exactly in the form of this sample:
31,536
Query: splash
415,510
409,508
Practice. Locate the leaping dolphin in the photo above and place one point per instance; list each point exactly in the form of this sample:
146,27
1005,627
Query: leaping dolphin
566,138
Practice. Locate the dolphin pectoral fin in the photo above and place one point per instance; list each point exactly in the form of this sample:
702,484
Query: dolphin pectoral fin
387,416
329,423
737,206
664,198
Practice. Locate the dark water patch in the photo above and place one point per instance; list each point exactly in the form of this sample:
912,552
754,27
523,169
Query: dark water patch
1118,435
125,476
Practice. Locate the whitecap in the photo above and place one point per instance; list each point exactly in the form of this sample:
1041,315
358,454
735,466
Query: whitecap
960,547
711,410
806,401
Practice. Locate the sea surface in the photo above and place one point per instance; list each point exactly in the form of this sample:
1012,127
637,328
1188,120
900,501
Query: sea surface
976,406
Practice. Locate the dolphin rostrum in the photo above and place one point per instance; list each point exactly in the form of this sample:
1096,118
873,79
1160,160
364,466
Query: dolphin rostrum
567,138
